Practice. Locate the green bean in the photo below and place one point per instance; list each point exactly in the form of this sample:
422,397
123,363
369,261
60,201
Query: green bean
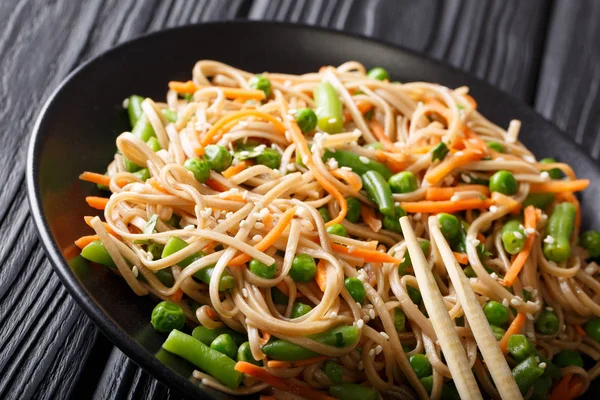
224,344
519,347
393,223
378,73
143,129
130,166
541,388
156,250
547,323
399,320
590,241
495,313
352,391
538,200
260,82
356,289
498,332
469,272
153,144
324,214
504,182
379,191
299,309
143,174
303,268
496,146
263,270
427,383
403,182
513,236
211,361
339,336
526,373
333,371
414,294
199,167
96,252
134,109
207,336
244,353
567,358
407,263
167,316
353,214
218,157
337,229
227,280
358,164
560,227
174,221
592,327
421,365
165,276
329,108
306,119
439,152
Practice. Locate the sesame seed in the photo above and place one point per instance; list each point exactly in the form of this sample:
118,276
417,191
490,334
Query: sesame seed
360,323
369,306
542,365
189,228
529,158
549,309
358,305
473,279
589,269
494,275
385,335
529,231
417,216
518,234
332,120
244,292
372,352
291,167
516,302
346,168
505,302
466,178
366,318
493,209
363,159
360,365
257,238
126,102
455,198
135,271
475,242
259,225
333,314
459,154
372,314
243,223
529,316
545,175
549,239
378,349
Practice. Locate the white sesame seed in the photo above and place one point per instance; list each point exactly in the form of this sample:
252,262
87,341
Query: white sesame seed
263,212
259,225
549,309
459,154
505,302
358,305
494,275
126,102
545,175
473,279
542,365
351,249
363,159
290,167
223,195
378,349
417,216
346,168
549,239
135,271
372,352
475,242
333,314
360,365
188,227
465,178
369,306
244,292
257,238
332,120
529,158
589,269
385,335
493,209
518,234
529,316
366,318
372,314
360,323
455,198
529,231
516,302
243,223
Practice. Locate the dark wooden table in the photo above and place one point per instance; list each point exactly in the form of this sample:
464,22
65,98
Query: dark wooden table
545,53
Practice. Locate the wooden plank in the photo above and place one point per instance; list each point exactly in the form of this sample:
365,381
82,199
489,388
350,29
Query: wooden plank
497,40
568,91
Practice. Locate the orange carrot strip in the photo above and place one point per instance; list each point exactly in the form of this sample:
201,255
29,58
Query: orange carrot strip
368,215
471,100
580,330
216,185
177,296
292,364
93,177
367,255
350,177
321,275
183,87
85,240
88,221
268,240
515,327
439,108
234,169
396,162
462,258
480,237
363,107
566,389
446,193
216,128
265,337
435,207
451,163
279,383
99,203
382,137
517,265
559,186
231,93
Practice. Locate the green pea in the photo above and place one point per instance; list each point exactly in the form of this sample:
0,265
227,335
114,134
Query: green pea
303,268
567,358
306,119
498,332
421,365
592,328
333,371
504,182
374,146
143,174
260,82
130,166
553,173
153,144
260,269
299,309
547,323
378,73
245,354
356,289
337,229
414,294
199,167
449,225
167,316
325,214
353,214
270,158
403,182
225,344
399,320
496,146
590,241
427,383
513,236
495,313
218,157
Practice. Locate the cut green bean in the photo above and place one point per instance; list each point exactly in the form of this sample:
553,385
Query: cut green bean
526,373
333,371
354,206
561,223
519,347
207,336
513,236
245,354
379,191
329,108
134,109
96,252
352,391
358,164
539,200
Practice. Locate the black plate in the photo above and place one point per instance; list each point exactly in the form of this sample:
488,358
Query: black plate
77,128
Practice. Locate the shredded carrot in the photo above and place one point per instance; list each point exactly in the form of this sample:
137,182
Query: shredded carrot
363,107
435,207
293,364
473,141
439,108
530,221
99,203
88,221
396,162
367,255
580,330
559,186
85,240
265,337
451,163
234,169
566,389
216,128
515,327
321,275
156,185
93,177
382,137
190,87
216,185
280,383
210,313
268,220
350,177
177,296
462,258
502,199
446,193
368,215
471,101
183,87
268,240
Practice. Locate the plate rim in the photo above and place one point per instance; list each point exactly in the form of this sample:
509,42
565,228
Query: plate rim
103,321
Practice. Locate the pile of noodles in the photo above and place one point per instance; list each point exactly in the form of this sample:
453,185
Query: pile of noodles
227,217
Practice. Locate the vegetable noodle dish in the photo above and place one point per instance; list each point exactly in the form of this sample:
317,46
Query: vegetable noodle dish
340,235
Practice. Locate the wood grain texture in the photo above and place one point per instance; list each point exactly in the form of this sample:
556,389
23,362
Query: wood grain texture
569,87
